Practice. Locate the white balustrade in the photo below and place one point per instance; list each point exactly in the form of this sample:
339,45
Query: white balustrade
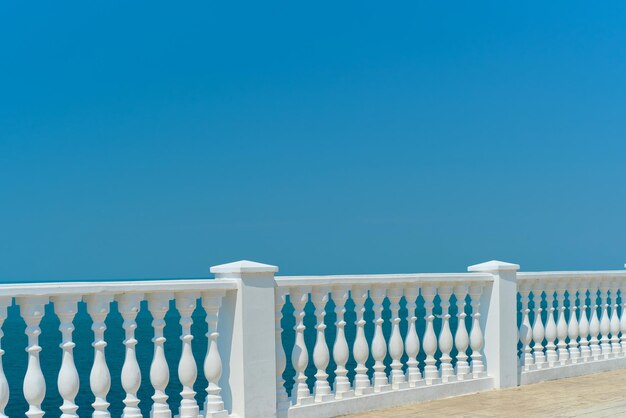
525,330
550,333
561,325
214,404
341,350
282,400
615,321
461,338
538,328
396,345
580,315
412,341
572,324
187,368
66,307
300,354
321,354
5,302
98,306
129,305
445,336
360,349
476,334
431,373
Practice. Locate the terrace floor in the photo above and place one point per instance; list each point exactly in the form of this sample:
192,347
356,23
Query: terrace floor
594,395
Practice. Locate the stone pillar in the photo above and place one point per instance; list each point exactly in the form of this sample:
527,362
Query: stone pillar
498,311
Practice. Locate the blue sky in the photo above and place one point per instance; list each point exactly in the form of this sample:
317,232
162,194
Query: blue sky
152,139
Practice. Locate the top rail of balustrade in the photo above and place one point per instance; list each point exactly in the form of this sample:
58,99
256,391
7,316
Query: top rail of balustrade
571,275
384,279
140,286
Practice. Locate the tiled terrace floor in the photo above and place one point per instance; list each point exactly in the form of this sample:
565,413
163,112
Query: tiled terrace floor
596,395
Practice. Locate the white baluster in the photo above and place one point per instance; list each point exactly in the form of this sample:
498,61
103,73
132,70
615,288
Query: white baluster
187,368
158,305
616,349
66,307
525,329
622,321
605,322
379,346
32,310
594,323
128,306
431,374
445,335
561,325
396,345
321,354
360,348
214,404
98,306
538,329
461,337
341,351
5,302
477,341
412,342
282,400
572,325
300,354
583,324
551,355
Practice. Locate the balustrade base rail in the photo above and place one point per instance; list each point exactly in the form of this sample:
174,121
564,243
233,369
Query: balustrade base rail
571,370
388,399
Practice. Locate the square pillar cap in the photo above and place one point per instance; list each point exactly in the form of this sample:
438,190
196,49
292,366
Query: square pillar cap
243,267
493,266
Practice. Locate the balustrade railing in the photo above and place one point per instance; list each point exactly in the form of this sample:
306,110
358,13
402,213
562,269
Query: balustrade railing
570,323
258,346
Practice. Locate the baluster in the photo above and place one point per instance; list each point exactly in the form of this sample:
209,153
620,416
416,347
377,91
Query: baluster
282,400
583,324
128,306
32,310
5,302
605,322
412,342
321,354
300,355
98,306
360,348
431,374
396,345
594,324
561,325
525,329
341,351
551,355
461,338
187,368
379,346
572,325
476,335
622,322
213,405
445,336
538,329
158,305
66,307
615,325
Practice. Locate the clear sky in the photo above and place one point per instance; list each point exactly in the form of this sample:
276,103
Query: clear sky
154,139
